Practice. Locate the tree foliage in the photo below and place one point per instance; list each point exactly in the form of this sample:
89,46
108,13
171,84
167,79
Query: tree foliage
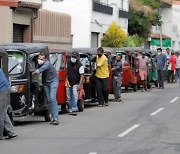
141,21
133,41
114,36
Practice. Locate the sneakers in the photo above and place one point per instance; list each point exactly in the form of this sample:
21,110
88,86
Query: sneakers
11,136
54,122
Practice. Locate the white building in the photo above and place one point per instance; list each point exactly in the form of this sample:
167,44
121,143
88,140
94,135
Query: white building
170,12
91,18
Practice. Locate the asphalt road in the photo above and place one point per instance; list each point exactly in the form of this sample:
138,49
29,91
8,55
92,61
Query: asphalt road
146,123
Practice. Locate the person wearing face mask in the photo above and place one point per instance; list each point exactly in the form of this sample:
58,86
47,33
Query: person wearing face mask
50,82
101,77
160,64
75,77
117,78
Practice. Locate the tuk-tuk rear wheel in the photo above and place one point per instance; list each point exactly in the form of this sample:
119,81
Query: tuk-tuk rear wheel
135,87
80,105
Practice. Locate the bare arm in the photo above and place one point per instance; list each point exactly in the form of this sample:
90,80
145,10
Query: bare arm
81,81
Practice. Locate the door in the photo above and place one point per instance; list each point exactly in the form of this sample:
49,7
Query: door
20,90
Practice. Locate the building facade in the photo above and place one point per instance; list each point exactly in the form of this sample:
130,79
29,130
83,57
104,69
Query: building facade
91,18
170,12
24,22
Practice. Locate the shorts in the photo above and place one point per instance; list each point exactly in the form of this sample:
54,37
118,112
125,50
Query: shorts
143,74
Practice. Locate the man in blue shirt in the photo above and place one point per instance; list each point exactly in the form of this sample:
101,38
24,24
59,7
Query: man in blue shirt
50,82
160,64
5,122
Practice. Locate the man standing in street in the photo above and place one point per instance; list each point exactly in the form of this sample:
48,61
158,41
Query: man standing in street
5,122
50,82
171,67
75,77
143,70
177,76
117,78
102,74
160,64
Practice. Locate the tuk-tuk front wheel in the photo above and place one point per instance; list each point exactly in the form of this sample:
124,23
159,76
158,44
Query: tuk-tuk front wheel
47,116
80,105
135,87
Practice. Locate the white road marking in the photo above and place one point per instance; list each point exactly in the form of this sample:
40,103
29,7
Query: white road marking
92,153
157,111
176,98
128,131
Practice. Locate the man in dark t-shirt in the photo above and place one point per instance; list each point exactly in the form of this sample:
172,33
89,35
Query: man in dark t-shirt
75,77
160,64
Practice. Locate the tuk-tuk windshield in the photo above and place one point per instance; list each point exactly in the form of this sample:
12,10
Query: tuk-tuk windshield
57,61
85,62
16,62
1,62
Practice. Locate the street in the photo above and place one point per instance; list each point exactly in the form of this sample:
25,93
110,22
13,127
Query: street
146,123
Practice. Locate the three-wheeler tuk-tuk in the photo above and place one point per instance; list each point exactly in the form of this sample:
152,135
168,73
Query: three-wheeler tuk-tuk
4,67
27,92
130,75
89,80
152,76
59,58
88,59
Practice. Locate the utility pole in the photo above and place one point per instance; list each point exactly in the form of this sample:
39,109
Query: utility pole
161,36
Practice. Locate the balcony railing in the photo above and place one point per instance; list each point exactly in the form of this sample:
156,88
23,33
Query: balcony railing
103,8
123,14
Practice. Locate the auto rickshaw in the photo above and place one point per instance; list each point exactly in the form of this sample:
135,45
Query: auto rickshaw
27,93
129,78
89,80
88,59
59,57
4,67
152,76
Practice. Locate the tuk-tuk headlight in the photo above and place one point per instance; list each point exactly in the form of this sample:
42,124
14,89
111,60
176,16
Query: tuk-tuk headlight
17,88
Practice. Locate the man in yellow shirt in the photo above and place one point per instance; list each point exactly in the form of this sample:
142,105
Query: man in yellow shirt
102,74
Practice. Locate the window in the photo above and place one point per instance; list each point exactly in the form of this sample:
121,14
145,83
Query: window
85,62
16,62
58,61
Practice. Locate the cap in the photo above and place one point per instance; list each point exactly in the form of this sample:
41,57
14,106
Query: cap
75,55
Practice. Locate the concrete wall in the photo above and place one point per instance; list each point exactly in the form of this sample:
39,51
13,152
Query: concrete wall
6,25
83,18
100,22
53,28
176,27
80,11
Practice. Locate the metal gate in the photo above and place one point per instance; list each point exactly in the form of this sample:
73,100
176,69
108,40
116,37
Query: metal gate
18,33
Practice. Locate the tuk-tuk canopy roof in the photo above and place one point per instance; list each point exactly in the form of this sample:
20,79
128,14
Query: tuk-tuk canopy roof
131,49
2,51
28,48
57,50
89,50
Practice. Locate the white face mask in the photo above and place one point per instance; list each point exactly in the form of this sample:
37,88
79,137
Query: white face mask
73,60
40,62
159,53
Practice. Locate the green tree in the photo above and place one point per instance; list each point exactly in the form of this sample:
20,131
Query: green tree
114,36
133,41
142,18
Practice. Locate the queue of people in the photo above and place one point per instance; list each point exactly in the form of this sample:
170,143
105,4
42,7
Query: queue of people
75,78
